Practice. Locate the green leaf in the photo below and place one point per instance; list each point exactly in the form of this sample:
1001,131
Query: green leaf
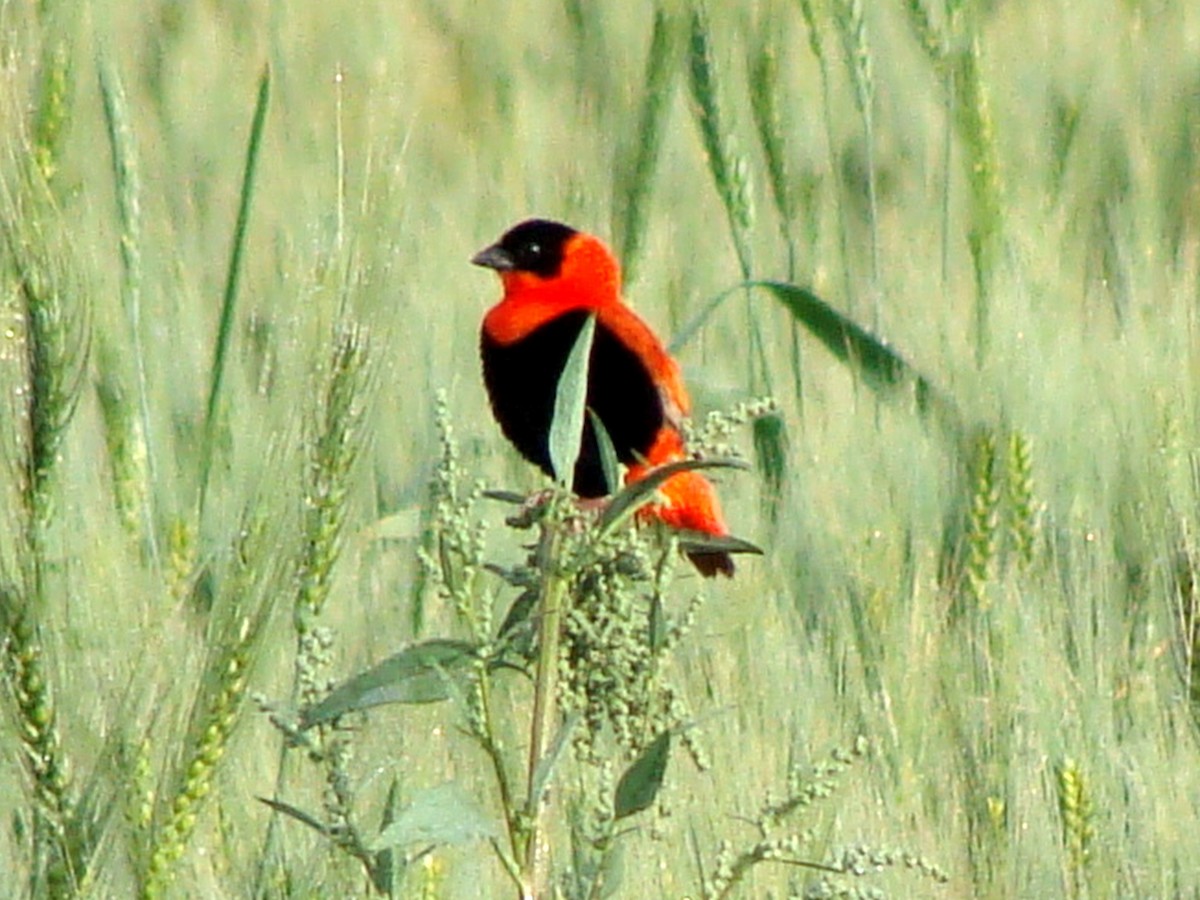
423,673
610,465
442,815
517,631
570,404
702,542
640,783
881,367
506,497
388,863
633,496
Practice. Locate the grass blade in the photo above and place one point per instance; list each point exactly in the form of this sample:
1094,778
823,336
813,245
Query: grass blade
389,864
232,274
881,367
296,813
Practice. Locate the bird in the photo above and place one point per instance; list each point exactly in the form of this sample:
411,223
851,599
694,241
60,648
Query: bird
554,277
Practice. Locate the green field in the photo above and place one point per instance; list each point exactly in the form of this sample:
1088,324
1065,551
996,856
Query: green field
224,488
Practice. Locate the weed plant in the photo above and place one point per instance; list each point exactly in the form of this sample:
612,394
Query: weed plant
263,630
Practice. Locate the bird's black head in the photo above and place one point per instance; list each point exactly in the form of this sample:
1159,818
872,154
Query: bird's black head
536,246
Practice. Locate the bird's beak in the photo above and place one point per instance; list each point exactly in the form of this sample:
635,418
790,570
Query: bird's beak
494,257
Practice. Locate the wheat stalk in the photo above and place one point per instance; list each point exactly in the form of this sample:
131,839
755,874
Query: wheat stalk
1021,506
763,66
129,438
730,170
850,18
1078,828
956,54
335,445
982,525
52,113
631,205
816,46
225,688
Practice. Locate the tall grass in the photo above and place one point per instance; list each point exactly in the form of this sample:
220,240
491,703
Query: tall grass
636,177
233,275
128,436
955,51
48,342
989,578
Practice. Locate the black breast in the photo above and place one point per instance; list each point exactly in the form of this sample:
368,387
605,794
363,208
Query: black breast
522,378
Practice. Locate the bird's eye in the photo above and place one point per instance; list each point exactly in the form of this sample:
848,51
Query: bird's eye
535,247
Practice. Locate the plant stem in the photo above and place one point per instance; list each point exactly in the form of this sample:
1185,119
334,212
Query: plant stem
488,740
535,875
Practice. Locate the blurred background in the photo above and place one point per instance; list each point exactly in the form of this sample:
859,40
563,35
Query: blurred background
1002,599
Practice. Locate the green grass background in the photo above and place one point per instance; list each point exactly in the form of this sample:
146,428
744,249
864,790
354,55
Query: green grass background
450,121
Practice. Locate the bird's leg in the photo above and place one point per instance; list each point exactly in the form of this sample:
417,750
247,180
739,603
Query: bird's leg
532,509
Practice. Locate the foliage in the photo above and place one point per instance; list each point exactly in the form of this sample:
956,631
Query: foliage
971,232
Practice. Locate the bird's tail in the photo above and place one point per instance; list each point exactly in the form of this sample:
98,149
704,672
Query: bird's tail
711,563
686,502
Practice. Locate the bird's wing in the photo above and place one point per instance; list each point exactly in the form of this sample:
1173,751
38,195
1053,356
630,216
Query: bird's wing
629,328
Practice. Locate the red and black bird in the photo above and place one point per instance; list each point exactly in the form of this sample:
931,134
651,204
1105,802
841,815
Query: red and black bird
554,277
